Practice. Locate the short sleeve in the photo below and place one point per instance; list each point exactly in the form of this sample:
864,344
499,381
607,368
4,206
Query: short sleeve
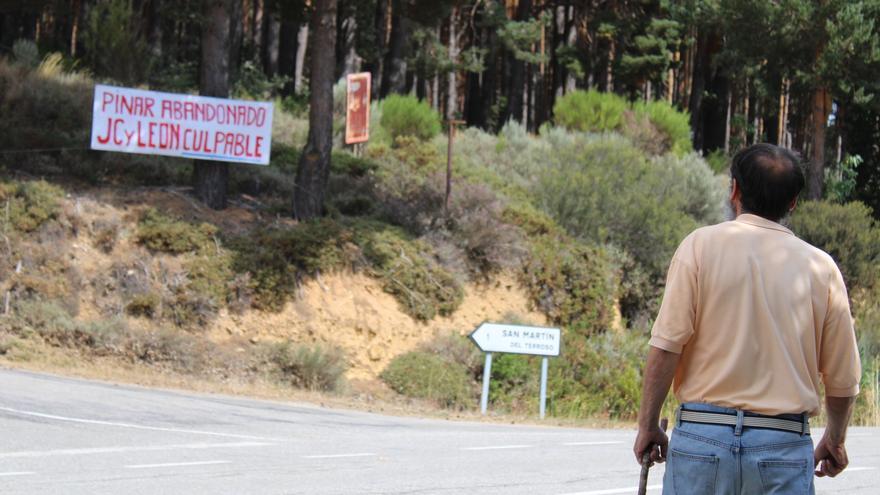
675,323
839,361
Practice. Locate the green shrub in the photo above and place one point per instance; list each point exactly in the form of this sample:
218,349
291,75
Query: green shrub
458,349
692,185
26,53
612,194
46,269
532,221
866,411
427,376
422,287
866,312
639,129
106,233
162,233
842,178
407,116
58,327
344,163
172,348
351,196
718,161
598,376
26,206
573,284
317,367
847,232
209,275
515,383
144,305
674,125
278,258
42,109
589,111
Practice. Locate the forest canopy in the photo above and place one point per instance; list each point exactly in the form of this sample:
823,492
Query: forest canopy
800,73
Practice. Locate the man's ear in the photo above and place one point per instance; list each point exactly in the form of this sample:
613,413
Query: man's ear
792,205
735,191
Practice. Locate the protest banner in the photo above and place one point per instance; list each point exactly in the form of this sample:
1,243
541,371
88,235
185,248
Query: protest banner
187,126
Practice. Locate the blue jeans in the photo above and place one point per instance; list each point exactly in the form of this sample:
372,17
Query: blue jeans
708,459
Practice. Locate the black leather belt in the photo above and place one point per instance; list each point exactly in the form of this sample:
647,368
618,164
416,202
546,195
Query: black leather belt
754,421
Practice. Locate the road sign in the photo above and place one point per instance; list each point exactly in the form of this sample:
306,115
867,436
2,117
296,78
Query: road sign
517,339
357,115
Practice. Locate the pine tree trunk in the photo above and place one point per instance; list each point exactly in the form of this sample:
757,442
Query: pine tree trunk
820,111
302,43
287,53
727,116
314,163
558,38
247,19
698,86
156,38
210,179
257,30
347,59
516,93
75,10
570,40
394,79
271,43
782,120
236,35
375,66
451,80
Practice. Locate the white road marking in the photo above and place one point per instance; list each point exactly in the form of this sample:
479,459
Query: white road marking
145,448
337,456
860,468
176,464
497,447
613,491
576,444
127,425
18,473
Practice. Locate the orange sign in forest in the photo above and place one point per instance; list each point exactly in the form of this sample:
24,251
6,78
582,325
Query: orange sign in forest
357,113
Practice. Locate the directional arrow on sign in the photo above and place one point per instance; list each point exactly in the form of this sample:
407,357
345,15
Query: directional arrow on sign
517,339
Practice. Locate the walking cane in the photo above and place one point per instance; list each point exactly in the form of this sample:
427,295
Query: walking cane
646,462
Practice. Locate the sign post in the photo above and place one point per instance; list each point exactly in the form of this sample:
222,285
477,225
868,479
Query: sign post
543,385
357,108
487,372
516,339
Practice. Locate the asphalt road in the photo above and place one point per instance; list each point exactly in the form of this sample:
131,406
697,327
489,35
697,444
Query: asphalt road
68,436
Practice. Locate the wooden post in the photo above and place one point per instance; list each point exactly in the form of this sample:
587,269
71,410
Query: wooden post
452,124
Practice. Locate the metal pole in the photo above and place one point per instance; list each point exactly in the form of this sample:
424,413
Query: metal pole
543,386
487,372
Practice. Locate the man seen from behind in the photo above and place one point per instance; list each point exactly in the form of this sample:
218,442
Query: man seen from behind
753,319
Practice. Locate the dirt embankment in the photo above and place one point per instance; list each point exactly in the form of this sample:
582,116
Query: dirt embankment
353,312
350,310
